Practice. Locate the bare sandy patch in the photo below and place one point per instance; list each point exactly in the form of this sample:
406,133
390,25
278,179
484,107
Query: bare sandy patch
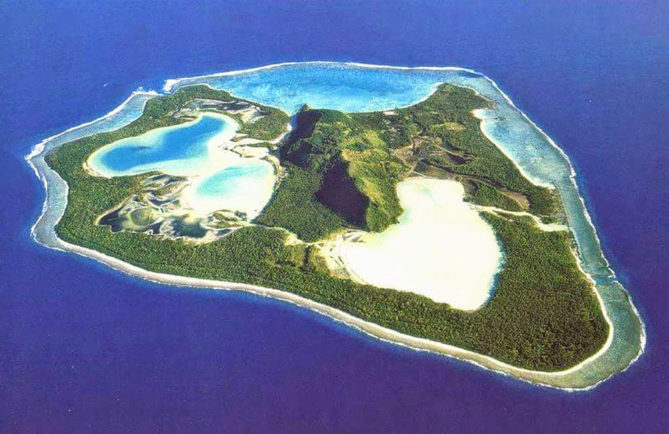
440,248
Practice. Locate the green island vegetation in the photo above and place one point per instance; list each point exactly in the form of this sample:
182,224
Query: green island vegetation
544,315
340,174
269,123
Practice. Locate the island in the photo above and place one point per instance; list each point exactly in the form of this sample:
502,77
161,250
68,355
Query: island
408,223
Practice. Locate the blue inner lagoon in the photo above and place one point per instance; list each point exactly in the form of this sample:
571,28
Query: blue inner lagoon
176,150
246,185
232,180
364,88
219,178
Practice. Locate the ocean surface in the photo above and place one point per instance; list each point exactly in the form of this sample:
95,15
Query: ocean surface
86,349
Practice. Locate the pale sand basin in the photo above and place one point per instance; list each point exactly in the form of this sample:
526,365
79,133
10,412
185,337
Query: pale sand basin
441,248
245,185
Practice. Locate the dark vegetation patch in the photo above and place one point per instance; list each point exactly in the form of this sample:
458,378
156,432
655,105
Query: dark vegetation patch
339,193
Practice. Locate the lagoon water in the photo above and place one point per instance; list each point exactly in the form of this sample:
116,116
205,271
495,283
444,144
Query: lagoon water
513,132
87,349
361,88
245,185
179,150
220,178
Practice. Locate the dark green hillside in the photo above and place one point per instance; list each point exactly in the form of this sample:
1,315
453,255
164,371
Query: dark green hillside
352,173
446,137
354,161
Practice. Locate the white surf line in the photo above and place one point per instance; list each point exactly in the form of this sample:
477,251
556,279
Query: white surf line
170,83
37,150
39,147
550,228
586,213
572,178
572,171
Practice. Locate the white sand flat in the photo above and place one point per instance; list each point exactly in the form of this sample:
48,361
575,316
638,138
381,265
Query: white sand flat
441,248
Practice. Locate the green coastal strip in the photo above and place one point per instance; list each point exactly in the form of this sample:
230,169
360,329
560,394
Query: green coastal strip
544,314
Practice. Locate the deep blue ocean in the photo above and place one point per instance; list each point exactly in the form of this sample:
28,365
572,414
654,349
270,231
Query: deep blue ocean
86,349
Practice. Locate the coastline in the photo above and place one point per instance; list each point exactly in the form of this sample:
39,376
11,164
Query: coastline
43,232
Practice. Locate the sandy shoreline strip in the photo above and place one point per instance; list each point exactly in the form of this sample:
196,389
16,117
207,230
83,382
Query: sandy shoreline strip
583,376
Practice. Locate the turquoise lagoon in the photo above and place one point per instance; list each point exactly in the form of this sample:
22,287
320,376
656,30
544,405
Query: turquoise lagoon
245,186
179,150
363,88
201,150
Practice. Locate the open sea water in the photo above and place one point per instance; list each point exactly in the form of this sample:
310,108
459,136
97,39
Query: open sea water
86,349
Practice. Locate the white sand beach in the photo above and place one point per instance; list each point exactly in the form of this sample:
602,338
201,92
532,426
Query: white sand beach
228,175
